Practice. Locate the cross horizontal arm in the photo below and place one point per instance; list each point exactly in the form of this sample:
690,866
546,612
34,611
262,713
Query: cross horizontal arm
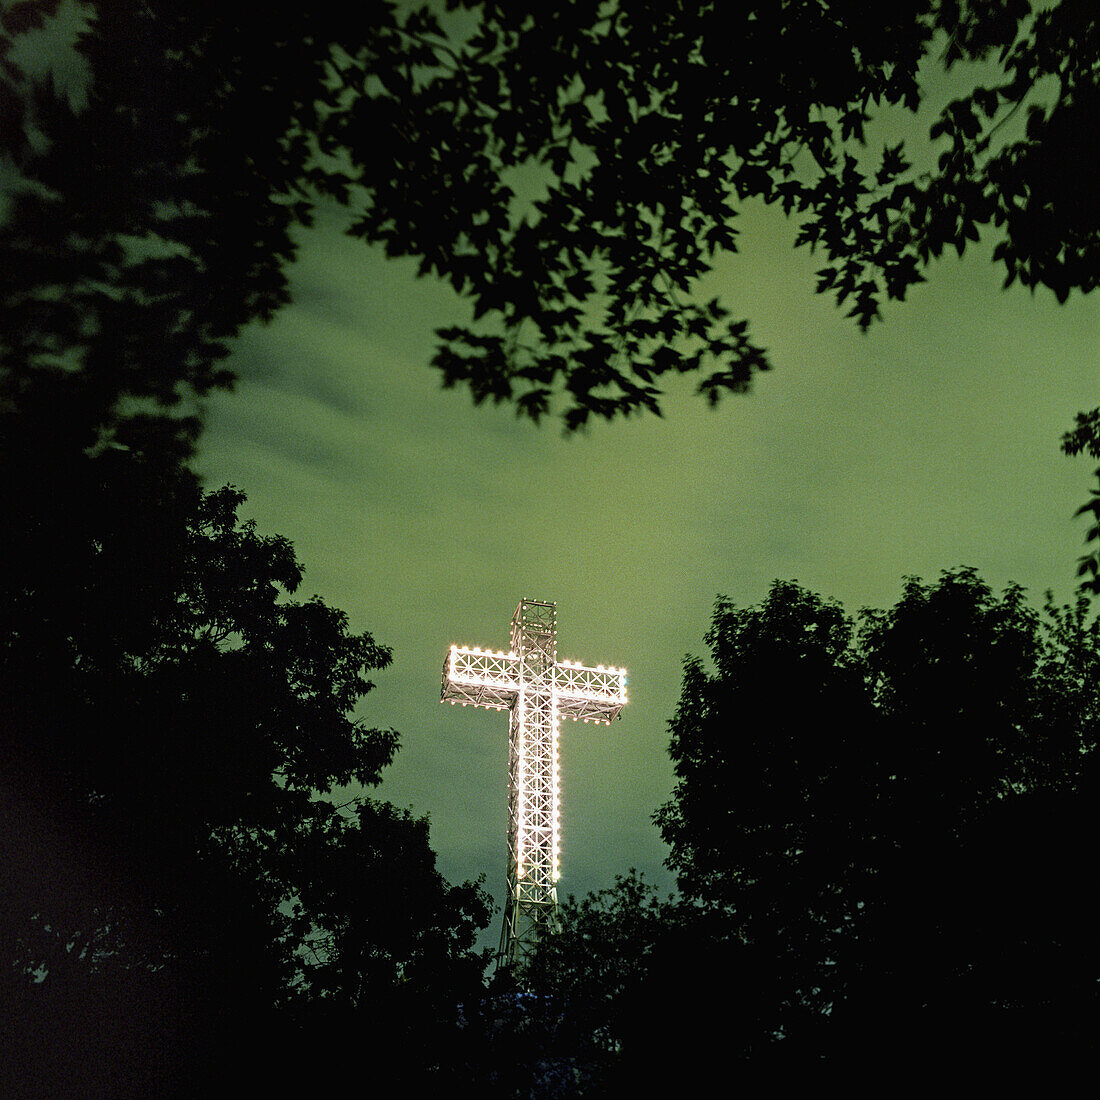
591,694
480,677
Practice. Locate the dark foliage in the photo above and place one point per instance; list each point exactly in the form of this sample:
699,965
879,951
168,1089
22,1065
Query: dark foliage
181,899
1085,437
151,207
881,831
573,170
171,724
891,819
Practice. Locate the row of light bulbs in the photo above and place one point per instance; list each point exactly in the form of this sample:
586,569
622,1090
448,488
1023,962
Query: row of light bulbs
501,706
499,654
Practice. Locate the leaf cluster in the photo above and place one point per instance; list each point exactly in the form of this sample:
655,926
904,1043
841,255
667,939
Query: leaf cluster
885,814
1085,436
149,207
573,171
174,725
576,171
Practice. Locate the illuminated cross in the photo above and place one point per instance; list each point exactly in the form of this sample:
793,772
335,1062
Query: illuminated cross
538,689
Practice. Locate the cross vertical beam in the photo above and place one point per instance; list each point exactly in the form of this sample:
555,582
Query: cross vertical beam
537,690
533,785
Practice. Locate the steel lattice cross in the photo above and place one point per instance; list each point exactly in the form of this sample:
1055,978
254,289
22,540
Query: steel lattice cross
538,690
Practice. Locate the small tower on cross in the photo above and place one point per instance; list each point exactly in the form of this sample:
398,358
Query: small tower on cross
537,690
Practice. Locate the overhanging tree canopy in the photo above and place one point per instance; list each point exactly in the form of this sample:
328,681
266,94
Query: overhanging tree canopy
573,170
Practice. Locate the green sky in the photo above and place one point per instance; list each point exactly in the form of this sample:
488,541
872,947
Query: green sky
928,443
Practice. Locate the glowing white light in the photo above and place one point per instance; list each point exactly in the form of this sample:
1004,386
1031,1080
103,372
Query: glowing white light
539,690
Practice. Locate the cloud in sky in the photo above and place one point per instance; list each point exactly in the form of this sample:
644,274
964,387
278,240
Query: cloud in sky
930,442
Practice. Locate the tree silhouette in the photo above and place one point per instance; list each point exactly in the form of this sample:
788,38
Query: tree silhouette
151,218
889,818
880,830
178,880
572,171
171,727
1085,436
647,130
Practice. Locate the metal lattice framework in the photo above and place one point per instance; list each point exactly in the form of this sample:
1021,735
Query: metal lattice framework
538,690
